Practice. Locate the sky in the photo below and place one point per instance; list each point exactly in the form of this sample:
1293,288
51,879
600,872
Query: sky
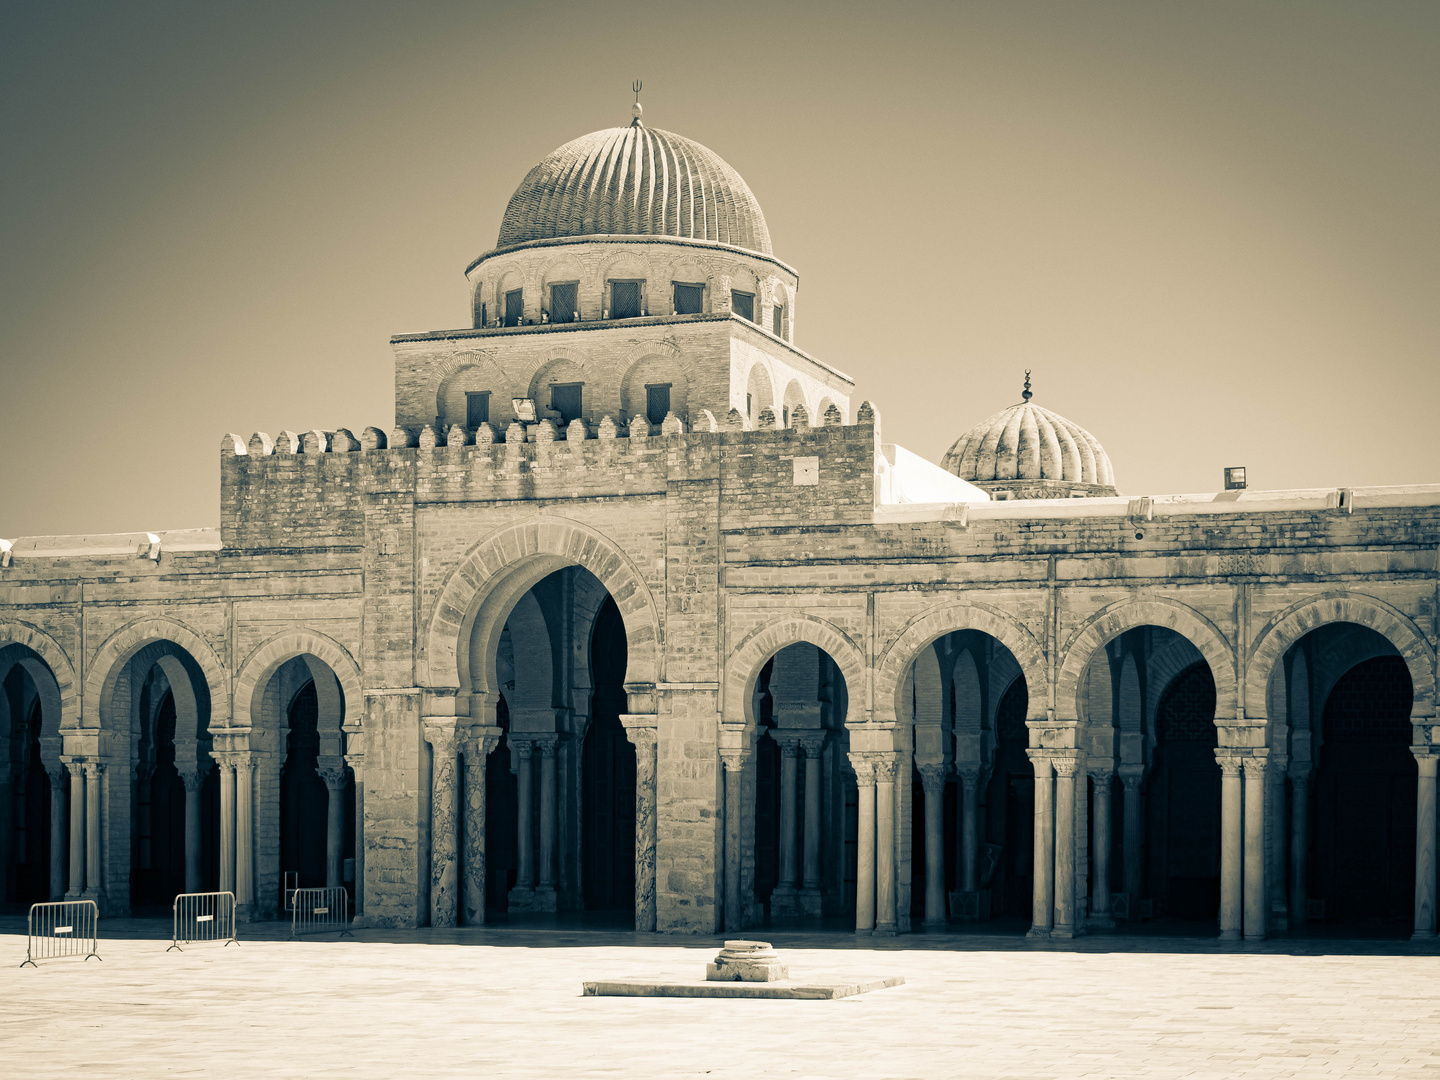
1211,230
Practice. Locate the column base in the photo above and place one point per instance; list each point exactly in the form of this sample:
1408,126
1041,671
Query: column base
785,901
1101,921
1255,937
935,922
811,903
541,899
885,930
1067,932
1229,935
98,895
1039,933
970,905
1423,935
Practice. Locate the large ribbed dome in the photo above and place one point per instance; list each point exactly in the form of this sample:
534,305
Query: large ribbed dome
1028,443
635,181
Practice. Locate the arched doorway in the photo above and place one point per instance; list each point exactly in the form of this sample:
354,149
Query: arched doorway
1008,867
1182,854
608,773
1363,832
34,797
804,813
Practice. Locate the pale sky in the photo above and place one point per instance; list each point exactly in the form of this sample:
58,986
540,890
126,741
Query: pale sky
1212,230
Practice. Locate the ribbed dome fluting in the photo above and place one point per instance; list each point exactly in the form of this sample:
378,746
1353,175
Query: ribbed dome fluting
1027,442
635,181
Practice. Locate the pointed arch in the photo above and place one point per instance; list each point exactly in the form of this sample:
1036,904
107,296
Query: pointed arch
743,666
1288,627
122,645
14,632
1110,622
514,554
257,668
947,618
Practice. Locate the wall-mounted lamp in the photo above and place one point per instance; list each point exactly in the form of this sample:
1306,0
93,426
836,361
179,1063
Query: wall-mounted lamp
524,409
1235,478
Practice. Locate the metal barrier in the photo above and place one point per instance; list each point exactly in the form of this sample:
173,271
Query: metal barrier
289,882
204,916
317,911
62,928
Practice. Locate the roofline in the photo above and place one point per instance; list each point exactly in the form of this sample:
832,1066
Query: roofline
633,238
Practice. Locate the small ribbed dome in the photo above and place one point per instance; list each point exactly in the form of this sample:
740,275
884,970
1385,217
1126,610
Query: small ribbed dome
635,181
1027,442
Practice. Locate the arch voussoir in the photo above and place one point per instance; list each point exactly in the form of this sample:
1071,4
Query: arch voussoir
14,632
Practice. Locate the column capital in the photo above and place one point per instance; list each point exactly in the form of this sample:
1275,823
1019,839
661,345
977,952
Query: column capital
885,769
640,729
864,766
1255,764
1229,760
57,777
1066,766
1101,776
522,746
968,771
243,759
813,742
546,742
481,740
332,771
1427,758
735,758
932,775
787,739
93,769
191,779
439,733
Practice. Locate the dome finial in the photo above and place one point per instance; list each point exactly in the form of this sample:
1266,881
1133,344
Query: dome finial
636,110
1026,393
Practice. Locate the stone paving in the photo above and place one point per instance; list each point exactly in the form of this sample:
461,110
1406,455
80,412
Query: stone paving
508,1003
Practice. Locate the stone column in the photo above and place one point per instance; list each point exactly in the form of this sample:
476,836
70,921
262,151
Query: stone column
1254,871
864,845
1425,758
1100,882
190,777
477,749
1065,771
94,883
227,823
440,734
244,831
814,745
783,898
1231,846
640,729
734,762
932,776
77,828
357,770
1043,896
1276,902
1299,845
969,793
332,771
57,832
1130,777
885,770
520,754
549,822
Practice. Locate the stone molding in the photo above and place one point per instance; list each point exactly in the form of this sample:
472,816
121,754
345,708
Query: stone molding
111,657
743,665
256,670
15,632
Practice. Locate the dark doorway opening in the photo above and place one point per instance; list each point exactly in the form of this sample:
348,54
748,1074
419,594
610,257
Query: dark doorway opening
1007,865
304,801
608,777
501,805
157,849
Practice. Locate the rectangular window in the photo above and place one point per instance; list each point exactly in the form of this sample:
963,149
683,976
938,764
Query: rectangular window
778,318
657,402
514,307
689,299
625,299
477,408
743,304
564,302
565,399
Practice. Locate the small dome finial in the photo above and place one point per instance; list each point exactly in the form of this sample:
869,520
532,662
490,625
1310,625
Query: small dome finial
1026,394
637,109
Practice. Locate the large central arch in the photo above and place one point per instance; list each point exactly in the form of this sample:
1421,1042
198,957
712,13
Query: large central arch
502,567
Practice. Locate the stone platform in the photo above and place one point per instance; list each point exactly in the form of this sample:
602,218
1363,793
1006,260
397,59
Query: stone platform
783,990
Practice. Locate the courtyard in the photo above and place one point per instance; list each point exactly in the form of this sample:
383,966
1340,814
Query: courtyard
507,1002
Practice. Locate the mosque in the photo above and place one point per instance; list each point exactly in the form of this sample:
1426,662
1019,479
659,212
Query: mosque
633,614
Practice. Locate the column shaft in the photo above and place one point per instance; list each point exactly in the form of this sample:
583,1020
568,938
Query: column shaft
1254,872
92,827
333,774
1131,827
969,829
525,840
477,753
865,848
1231,847
1100,881
77,828
357,770
57,833
1299,849
885,922
244,831
440,734
734,764
1276,900
1043,894
548,816
1425,883
932,777
1065,772
643,735
812,816
787,814
191,780
227,825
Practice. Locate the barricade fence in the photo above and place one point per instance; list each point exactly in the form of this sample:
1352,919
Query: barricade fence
202,917
62,928
318,911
